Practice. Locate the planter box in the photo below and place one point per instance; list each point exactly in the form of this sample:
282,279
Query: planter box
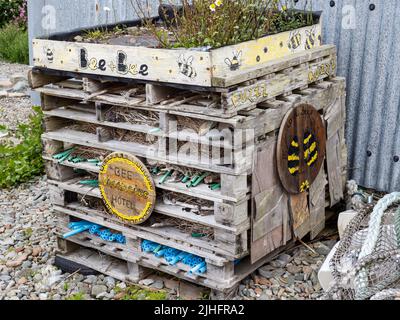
178,66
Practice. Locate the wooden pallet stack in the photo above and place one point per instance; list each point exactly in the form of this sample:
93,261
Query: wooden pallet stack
245,110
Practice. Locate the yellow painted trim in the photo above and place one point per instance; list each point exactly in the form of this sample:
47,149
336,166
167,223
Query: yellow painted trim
148,183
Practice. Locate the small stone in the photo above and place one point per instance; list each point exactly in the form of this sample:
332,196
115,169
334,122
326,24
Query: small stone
159,284
90,279
56,297
98,289
258,291
37,277
17,262
43,296
78,39
101,295
119,296
3,94
322,249
26,264
109,282
307,270
22,281
146,282
121,285
285,258
299,277
36,251
293,269
5,278
262,281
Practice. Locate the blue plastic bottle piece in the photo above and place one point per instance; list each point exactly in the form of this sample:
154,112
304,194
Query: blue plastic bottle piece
197,268
94,229
111,238
120,238
161,253
76,231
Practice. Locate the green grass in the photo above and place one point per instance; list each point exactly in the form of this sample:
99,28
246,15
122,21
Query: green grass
21,162
137,293
14,44
77,296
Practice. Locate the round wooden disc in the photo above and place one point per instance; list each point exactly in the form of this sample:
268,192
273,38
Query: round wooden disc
127,187
301,148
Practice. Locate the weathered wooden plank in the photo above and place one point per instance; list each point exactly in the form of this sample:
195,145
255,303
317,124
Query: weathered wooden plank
37,80
300,214
317,204
228,79
232,61
175,212
280,83
161,65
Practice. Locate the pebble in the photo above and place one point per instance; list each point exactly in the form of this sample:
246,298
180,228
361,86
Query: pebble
146,282
158,284
98,289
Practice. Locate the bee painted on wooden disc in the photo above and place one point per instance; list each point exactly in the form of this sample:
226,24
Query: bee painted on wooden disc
301,148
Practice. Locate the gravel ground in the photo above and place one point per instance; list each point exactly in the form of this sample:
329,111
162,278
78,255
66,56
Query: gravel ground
27,248
13,110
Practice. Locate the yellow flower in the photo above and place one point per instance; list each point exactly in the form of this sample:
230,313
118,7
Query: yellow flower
218,3
284,8
213,7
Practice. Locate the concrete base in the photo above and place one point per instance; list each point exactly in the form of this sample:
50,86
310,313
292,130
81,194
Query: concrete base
344,219
325,275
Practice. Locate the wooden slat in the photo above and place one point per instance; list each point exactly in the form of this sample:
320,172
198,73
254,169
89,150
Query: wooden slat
227,80
73,186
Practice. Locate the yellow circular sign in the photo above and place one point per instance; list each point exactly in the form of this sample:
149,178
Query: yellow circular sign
127,187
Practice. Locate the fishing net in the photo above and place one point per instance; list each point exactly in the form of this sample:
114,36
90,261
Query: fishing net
366,262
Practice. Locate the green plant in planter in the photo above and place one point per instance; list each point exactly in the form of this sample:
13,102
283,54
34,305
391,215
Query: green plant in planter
217,23
20,162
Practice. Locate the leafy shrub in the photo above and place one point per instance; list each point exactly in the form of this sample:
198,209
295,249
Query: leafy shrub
14,44
217,23
11,10
19,163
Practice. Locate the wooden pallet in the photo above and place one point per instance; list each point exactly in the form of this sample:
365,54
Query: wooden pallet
260,122
229,240
181,66
113,260
260,85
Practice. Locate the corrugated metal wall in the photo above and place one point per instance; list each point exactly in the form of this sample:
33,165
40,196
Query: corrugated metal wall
368,47
367,35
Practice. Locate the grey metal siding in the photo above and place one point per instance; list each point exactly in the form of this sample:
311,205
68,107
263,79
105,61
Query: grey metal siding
368,56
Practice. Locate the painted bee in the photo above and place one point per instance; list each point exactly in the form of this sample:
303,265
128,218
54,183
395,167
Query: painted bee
185,66
294,40
294,157
235,63
310,149
310,39
49,52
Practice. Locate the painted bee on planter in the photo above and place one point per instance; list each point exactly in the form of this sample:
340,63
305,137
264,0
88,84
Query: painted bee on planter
185,66
49,52
310,38
235,63
294,40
